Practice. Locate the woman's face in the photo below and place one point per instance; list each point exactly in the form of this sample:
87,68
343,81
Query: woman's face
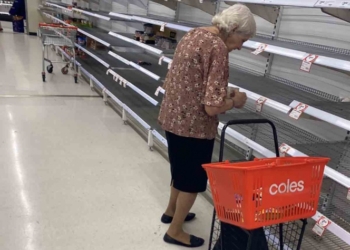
235,41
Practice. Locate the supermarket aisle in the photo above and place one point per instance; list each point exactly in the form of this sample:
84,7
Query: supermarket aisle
72,176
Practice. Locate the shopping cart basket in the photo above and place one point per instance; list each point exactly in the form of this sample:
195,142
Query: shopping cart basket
61,36
262,204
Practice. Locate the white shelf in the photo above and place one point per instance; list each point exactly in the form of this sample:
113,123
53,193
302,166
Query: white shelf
58,6
134,65
300,55
270,103
251,44
95,38
254,97
118,57
57,19
93,56
324,116
145,71
106,18
132,86
331,173
142,45
299,3
335,229
161,23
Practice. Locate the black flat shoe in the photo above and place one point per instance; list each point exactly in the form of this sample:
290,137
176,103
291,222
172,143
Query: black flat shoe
168,219
195,241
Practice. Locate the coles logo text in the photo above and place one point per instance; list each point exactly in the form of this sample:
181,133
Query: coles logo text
287,187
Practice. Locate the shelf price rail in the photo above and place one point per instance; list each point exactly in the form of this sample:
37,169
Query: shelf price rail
324,116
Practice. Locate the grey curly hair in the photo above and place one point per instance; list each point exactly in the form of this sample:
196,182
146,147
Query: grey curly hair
238,17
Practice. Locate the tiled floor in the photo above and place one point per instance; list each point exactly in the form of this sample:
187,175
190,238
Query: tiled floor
72,176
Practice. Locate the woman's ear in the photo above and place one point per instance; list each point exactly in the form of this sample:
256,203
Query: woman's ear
234,29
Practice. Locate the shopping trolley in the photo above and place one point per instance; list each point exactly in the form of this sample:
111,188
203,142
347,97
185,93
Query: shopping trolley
56,35
262,204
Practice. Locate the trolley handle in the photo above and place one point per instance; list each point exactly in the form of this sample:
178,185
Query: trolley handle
248,121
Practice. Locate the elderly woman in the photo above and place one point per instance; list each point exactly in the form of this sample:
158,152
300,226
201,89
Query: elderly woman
196,93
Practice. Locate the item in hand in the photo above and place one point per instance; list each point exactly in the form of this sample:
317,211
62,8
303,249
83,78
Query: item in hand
142,63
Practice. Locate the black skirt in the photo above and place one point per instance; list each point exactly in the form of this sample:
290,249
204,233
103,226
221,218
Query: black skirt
186,156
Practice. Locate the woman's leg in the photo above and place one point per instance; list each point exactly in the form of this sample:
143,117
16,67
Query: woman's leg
174,193
184,204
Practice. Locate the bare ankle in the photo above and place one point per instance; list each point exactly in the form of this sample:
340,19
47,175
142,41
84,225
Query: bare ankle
175,232
169,212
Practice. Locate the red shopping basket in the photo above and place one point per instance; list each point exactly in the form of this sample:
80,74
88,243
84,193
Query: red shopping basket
266,191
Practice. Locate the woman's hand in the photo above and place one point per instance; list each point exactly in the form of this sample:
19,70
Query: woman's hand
239,99
212,111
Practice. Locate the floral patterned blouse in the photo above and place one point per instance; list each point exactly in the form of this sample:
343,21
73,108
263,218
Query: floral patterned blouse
198,76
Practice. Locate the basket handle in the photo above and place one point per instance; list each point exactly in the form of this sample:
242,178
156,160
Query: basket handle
248,121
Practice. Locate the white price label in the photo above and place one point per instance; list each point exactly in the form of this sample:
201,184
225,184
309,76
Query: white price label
321,225
162,27
125,82
284,148
169,65
261,48
345,4
260,103
307,62
324,3
317,229
116,78
295,114
157,91
161,60
298,111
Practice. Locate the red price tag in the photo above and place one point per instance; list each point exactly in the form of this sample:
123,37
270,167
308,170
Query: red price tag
307,62
261,48
260,103
321,225
298,111
284,148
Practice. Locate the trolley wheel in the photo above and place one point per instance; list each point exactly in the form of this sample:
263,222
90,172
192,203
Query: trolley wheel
64,70
151,149
76,79
44,78
49,68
